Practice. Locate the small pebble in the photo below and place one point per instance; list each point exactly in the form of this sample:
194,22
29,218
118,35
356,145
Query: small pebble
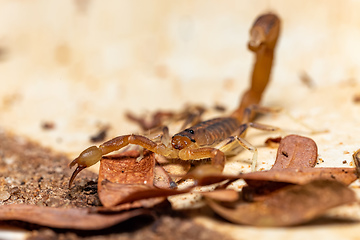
4,195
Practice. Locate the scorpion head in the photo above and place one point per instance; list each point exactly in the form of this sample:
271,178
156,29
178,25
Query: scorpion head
180,141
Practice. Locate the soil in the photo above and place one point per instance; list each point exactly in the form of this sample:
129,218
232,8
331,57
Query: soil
32,174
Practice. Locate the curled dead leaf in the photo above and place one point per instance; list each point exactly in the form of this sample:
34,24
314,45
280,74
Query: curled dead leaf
224,195
273,142
69,218
260,185
296,152
301,175
125,182
291,205
125,170
115,193
356,158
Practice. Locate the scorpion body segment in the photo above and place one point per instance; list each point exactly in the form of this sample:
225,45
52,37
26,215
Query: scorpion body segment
207,133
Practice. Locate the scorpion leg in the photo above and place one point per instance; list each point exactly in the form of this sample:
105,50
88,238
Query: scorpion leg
264,127
244,127
217,160
93,154
165,137
252,110
234,141
217,156
252,149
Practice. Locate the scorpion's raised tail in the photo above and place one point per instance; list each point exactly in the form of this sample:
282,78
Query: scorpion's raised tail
263,38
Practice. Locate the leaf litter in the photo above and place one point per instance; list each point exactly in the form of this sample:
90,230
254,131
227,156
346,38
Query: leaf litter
291,193
37,181
291,206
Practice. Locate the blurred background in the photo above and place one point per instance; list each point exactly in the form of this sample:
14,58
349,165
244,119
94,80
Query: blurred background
80,64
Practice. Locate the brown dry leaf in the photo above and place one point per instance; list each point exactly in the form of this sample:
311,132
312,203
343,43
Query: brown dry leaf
70,218
162,179
115,193
224,195
295,161
212,178
296,152
142,203
291,205
273,142
262,184
274,179
125,182
356,158
301,175
125,170
296,158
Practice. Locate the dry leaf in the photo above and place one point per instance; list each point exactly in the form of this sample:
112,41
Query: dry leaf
115,193
294,165
301,176
125,170
262,184
291,205
69,218
162,179
273,142
224,195
356,158
296,152
125,182
142,203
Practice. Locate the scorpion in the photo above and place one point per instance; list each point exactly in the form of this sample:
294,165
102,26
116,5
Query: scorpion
209,139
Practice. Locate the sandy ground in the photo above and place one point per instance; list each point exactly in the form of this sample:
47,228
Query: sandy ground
82,64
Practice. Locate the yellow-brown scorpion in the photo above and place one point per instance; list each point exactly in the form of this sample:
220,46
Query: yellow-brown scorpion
210,138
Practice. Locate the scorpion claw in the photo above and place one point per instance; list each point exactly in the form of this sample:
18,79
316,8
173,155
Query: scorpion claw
88,157
75,173
73,162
